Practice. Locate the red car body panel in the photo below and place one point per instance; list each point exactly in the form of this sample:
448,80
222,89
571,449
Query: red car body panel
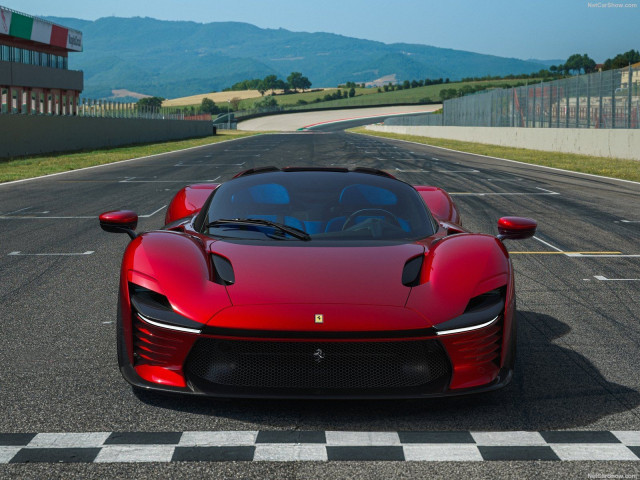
188,201
315,275
279,290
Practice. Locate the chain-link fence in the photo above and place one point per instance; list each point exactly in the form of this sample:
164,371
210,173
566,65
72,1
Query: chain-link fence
422,119
609,99
110,109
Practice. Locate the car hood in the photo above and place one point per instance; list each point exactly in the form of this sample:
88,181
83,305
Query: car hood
358,275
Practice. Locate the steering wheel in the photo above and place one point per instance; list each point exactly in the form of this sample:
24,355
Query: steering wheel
385,213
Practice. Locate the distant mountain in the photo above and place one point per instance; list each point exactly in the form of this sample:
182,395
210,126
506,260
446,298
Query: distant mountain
547,63
174,59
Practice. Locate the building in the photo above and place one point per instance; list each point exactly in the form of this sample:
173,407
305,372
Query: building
630,75
34,74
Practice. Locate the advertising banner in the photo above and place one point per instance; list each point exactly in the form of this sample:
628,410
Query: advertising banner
34,29
41,31
5,21
21,26
74,42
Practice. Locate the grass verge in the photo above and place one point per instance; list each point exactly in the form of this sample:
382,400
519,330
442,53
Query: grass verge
35,166
608,167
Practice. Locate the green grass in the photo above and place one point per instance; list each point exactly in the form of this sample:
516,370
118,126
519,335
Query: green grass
608,167
29,167
371,97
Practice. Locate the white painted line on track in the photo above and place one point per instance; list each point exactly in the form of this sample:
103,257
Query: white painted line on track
135,453
69,217
68,440
441,453
290,453
547,244
153,213
593,451
631,438
508,438
18,253
487,194
597,255
215,439
133,180
503,159
7,453
605,279
216,165
363,439
630,221
2,184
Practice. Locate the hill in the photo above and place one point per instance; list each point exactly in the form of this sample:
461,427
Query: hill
174,59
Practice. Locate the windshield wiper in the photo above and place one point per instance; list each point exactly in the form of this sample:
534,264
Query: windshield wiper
293,231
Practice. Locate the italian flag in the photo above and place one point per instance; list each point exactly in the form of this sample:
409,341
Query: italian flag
29,28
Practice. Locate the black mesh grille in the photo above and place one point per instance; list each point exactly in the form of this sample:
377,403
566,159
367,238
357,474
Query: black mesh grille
326,366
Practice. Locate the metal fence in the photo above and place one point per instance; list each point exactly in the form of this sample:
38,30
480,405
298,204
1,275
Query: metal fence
110,109
609,99
22,102
429,119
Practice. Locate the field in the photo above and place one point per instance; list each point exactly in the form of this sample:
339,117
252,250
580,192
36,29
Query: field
222,97
364,96
218,97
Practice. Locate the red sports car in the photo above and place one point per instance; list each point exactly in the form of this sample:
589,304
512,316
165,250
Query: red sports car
316,282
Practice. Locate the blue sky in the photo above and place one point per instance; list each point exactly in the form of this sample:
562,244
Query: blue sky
543,29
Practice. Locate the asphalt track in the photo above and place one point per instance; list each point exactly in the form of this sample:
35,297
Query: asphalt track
579,313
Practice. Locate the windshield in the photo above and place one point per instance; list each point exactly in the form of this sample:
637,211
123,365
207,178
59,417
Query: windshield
316,205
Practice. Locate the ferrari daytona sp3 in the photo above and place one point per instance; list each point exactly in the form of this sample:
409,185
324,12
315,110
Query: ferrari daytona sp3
315,283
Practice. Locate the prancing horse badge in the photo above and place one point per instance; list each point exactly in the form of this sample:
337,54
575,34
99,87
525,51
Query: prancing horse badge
319,318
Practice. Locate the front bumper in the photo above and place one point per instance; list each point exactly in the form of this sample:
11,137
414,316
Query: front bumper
456,365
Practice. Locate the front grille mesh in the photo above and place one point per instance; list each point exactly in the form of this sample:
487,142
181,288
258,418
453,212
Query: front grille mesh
317,365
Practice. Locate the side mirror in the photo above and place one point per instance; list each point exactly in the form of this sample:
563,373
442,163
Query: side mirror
516,228
119,221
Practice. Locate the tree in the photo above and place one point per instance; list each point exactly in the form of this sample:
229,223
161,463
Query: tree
150,102
266,102
294,80
269,83
622,60
235,103
305,83
406,84
209,106
352,92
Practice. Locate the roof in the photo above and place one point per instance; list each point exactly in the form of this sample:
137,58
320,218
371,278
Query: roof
28,27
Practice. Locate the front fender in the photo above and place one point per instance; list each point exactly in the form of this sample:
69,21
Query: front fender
456,269
177,266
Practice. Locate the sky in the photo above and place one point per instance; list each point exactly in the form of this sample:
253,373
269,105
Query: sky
541,29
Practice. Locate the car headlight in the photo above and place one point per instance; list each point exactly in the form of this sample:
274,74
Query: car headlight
154,308
482,311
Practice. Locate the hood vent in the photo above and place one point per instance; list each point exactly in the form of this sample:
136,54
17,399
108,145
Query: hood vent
411,271
222,270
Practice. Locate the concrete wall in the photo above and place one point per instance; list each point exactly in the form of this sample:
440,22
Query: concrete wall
22,75
613,143
30,135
